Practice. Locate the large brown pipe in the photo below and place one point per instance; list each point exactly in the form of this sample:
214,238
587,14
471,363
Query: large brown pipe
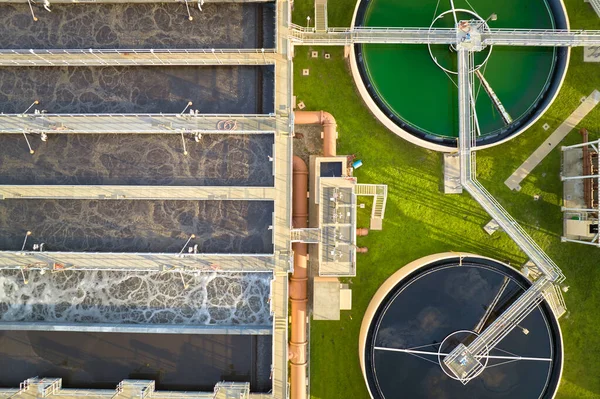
329,128
299,279
298,283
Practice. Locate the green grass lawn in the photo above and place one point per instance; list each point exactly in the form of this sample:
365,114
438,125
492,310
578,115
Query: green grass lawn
420,220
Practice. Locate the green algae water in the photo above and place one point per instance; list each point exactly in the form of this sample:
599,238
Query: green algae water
422,95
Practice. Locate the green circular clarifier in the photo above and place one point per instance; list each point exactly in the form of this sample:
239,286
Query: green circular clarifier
420,96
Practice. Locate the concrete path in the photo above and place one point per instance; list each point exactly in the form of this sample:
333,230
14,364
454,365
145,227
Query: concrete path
551,142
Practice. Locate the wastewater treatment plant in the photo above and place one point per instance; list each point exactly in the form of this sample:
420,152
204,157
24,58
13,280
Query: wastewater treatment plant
236,199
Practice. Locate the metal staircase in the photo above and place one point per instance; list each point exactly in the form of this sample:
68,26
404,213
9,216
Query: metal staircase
280,323
307,235
320,15
554,297
595,5
379,207
365,189
379,194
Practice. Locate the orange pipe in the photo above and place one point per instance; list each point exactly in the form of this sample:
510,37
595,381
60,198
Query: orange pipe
329,128
362,231
298,283
299,279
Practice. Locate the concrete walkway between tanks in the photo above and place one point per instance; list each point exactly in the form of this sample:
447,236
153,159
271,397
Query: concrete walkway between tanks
551,142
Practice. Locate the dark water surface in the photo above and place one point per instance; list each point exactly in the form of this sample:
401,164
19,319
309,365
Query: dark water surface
135,26
132,159
153,89
137,225
102,360
447,299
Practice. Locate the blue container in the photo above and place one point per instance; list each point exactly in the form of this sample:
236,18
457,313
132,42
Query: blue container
357,164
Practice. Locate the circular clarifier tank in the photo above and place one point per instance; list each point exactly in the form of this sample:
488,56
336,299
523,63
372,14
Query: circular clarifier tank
429,307
412,88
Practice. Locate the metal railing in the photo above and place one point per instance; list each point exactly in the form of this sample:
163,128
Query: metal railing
541,37
344,36
509,37
469,181
379,193
527,302
142,123
508,320
554,297
125,57
515,232
151,262
52,387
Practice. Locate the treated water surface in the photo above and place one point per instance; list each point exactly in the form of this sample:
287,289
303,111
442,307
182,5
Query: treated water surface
424,96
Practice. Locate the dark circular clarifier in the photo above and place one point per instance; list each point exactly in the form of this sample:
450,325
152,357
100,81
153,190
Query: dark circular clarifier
444,304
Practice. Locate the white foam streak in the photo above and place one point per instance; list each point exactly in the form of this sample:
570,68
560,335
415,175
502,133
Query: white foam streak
141,298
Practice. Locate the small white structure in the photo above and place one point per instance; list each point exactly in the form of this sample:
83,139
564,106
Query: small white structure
581,207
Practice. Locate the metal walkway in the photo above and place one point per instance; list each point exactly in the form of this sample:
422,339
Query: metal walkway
194,193
137,57
165,262
507,37
467,137
344,36
142,123
526,303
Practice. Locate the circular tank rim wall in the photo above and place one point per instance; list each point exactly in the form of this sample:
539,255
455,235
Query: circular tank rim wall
436,143
391,282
